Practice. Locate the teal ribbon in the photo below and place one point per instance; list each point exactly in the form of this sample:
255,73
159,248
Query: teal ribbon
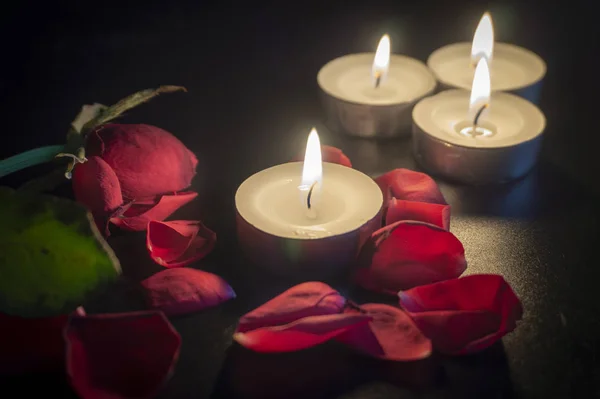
29,158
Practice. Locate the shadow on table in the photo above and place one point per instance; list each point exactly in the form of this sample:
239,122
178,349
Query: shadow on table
331,370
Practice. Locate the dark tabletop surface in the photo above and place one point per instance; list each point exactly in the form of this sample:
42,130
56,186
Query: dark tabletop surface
251,75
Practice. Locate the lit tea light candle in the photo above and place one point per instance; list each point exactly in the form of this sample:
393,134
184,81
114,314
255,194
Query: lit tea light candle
319,234
512,68
478,137
372,95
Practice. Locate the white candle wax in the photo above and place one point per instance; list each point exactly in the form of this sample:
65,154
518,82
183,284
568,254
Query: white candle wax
506,148
275,230
512,68
355,106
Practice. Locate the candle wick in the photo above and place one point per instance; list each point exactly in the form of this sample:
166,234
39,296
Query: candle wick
377,79
309,196
478,115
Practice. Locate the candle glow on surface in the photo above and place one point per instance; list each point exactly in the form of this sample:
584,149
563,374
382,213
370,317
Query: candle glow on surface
483,40
381,62
312,174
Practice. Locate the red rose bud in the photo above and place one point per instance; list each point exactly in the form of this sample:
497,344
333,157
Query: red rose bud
407,254
129,172
330,154
464,315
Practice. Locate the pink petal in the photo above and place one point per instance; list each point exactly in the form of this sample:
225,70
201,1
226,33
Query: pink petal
184,290
405,184
138,215
390,334
300,301
408,254
464,315
124,355
178,243
330,154
436,214
301,334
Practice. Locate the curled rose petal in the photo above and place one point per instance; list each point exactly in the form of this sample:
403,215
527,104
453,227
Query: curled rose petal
185,290
407,254
123,355
32,344
464,315
178,243
140,213
390,334
330,154
301,334
405,184
303,300
436,214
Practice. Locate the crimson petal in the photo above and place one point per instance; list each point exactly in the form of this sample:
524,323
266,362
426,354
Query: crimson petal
464,315
330,154
436,214
137,216
408,254
178,243
125,355
390,334
409,185
184,290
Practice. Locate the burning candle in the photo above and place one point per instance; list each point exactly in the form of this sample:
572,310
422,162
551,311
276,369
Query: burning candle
306,218
512,68
372,95
478,137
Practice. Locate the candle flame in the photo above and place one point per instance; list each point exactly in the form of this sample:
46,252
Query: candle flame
480,92
483,40
312,171
381,62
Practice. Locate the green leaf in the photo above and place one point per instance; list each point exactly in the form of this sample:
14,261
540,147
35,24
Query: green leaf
51,255
114,111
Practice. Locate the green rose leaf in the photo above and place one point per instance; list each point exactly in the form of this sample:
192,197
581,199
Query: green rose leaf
51,255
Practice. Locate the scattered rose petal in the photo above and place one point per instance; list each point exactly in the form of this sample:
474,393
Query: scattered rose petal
408,254
301,334
390,334
464,315
436,214
185,290
140,213
330,154
303,300
178,243
405,184
124,355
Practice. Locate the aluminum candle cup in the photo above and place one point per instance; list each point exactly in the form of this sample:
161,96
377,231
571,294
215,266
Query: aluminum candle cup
275,231
512,68
506,149
372,94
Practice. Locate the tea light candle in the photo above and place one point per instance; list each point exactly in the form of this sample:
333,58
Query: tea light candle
478,138
513,69
307,218
372,95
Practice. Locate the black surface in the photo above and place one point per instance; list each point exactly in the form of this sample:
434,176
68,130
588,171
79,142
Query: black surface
251,74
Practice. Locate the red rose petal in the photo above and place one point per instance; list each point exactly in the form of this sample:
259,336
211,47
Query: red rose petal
184,290
149,161
436,214
178,243
126,355
390,334
138,215
301,334
300,301
330,154
464,315
408,254
405,184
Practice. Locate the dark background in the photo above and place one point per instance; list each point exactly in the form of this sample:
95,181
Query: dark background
250,69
